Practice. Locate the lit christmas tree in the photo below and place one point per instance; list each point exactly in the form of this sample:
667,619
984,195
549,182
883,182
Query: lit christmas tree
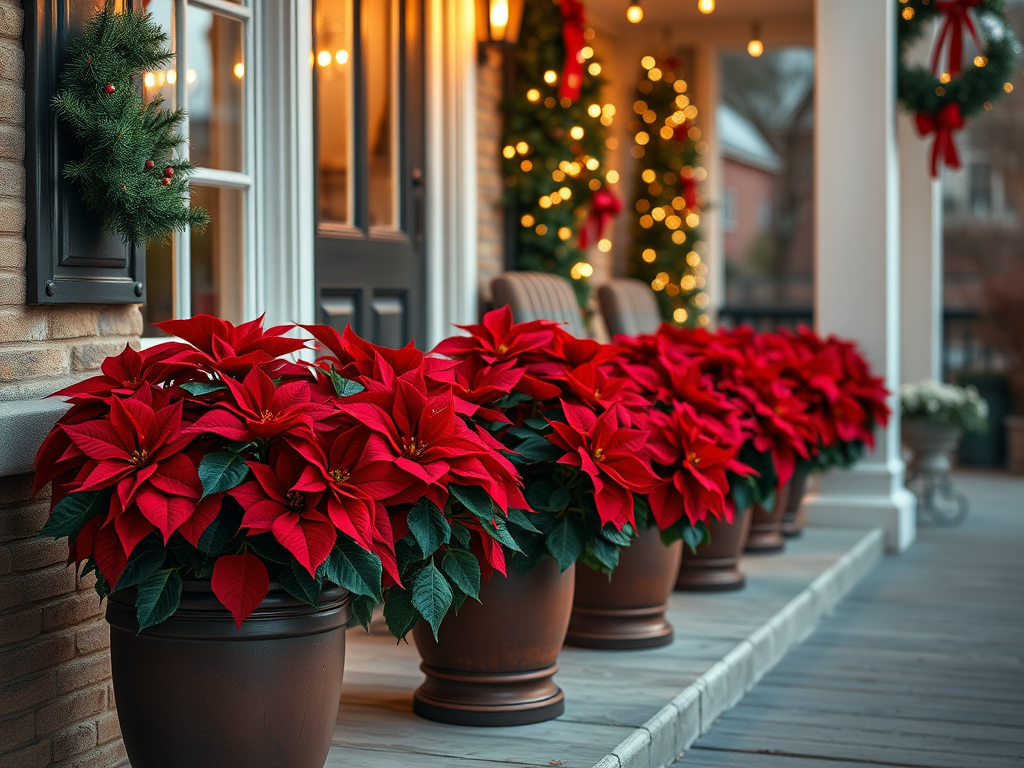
555,143
665,248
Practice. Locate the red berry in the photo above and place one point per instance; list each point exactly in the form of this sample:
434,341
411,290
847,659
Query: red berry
109,88
168,171
167,182
150,163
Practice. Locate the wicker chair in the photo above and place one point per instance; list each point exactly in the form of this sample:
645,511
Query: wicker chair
538,296
629,307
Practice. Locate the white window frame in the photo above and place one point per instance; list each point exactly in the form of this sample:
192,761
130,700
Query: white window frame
246,13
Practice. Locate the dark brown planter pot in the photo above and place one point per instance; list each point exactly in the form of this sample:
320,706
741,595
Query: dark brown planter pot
792,519
628,611
714,567
766,526
494,662
195,691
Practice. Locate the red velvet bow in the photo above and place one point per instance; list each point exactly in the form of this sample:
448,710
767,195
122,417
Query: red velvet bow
689,190
679,132
942,124
952,30
573,24
604,205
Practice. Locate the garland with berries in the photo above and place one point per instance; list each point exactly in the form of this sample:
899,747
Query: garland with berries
127,173
944,94
555,142
665,243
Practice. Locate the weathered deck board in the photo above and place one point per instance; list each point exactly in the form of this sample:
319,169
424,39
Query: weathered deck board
608,695
922,665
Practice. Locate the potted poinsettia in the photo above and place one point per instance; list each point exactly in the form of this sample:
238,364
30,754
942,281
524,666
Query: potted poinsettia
237,508
542,397
704,492
153,471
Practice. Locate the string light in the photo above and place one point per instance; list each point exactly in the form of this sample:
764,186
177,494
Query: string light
649,255
635,13
550,77
533,95
604,245
706,6
341,56
594,69
613,177
323,58
755,47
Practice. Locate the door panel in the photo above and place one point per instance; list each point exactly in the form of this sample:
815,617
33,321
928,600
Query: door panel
368,65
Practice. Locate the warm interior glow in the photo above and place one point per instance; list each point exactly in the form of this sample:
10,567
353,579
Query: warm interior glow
706,6
635,13
499,19
239,70
341,56
323,58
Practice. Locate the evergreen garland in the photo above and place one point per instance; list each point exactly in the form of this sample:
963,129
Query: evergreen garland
127,173
551,170
982,81
665,243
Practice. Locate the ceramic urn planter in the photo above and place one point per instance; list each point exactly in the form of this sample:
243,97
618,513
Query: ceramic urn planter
766,525
931,443
193,690
792,519
627,611
714,567
494,661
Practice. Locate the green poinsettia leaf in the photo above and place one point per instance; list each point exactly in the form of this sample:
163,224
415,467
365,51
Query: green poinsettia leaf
564,543
352,567
147,558
197,388
71,513
429,526
362,611
694,537
297,582
158,597
431,596
521,519
344,387
221,471
399,613
463,570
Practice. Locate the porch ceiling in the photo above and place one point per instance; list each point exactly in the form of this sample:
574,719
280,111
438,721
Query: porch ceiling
788,22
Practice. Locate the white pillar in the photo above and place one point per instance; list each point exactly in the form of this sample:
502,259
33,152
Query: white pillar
707,92
857,241
920,258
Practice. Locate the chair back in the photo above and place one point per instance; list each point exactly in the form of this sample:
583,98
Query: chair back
628,306
539,296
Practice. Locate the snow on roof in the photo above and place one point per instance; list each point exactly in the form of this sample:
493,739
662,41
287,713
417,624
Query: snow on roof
742,142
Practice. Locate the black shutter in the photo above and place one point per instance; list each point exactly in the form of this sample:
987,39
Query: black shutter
70,260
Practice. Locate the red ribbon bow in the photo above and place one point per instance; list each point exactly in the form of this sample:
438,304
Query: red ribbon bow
942,124
689,190
952,30
680,131
604,205
573,24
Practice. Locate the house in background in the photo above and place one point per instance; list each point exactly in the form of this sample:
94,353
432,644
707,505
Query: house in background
749,170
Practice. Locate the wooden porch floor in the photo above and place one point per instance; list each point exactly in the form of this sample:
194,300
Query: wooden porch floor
922,665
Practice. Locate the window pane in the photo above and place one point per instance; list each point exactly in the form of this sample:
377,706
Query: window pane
381,47
334,108
217,280
216,78
159,304
161,81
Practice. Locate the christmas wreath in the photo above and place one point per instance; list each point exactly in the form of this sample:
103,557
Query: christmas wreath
127,173
555,144
943,95
665,245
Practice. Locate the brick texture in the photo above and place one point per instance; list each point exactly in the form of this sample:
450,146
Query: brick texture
56,698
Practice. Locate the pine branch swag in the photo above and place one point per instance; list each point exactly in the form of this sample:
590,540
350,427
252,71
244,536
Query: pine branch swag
127,173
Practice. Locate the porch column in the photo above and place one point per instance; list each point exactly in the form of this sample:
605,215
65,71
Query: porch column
707,90
920,259
857,243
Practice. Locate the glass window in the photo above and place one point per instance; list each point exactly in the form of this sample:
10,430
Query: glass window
381,110
334,100
204,272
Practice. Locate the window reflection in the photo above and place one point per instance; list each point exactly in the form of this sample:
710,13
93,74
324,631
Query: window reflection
161,81
159,304
217,278
215,76
333,67
381,113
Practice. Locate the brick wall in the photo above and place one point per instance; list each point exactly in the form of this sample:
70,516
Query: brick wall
490,179
56,701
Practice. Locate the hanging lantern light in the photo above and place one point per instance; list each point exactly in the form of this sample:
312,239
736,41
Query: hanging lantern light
498,21
635,13
755,47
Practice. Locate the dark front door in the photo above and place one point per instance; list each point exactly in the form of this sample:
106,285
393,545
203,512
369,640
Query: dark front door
368,65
